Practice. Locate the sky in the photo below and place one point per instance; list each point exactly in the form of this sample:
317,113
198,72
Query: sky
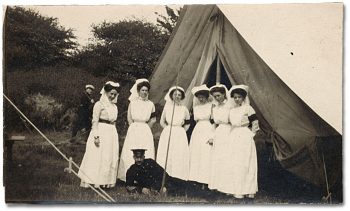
80,17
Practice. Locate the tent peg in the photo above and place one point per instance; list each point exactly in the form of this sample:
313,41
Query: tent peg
69,169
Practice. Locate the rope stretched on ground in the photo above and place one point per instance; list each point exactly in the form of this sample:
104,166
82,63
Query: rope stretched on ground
98,190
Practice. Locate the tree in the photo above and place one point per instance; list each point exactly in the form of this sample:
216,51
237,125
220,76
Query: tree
126,50
168,22
32,40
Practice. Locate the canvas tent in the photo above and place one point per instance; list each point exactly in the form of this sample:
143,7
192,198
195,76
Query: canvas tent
205,40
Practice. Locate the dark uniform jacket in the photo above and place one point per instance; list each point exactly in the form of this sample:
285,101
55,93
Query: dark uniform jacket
85,111
148,174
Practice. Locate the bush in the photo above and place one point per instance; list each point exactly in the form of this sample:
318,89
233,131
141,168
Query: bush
127,49
44,110
33,40
65,85
37,87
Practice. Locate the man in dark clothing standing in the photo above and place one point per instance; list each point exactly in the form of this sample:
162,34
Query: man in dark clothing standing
84,117
145,176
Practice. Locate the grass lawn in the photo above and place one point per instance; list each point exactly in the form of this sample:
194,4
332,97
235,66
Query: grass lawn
37,176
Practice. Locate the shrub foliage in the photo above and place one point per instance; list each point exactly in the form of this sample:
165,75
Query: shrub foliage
126,50
32,40
44,110
38,56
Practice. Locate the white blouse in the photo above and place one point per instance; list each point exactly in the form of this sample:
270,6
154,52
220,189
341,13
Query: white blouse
202,112
181,114
221,113
141,110
100,111
239,115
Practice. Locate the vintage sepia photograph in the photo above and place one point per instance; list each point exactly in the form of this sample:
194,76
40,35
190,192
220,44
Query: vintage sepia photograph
214,104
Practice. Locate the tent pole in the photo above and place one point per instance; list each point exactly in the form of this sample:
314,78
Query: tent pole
218,71
219,21
167,149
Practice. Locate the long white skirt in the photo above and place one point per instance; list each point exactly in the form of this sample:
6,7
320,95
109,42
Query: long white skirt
200,152
220,157
100,164
243,171
139,136
178,155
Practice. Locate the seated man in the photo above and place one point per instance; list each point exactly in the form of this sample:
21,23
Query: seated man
146,176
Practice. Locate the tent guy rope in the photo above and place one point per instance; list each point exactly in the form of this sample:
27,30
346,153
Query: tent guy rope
98,190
